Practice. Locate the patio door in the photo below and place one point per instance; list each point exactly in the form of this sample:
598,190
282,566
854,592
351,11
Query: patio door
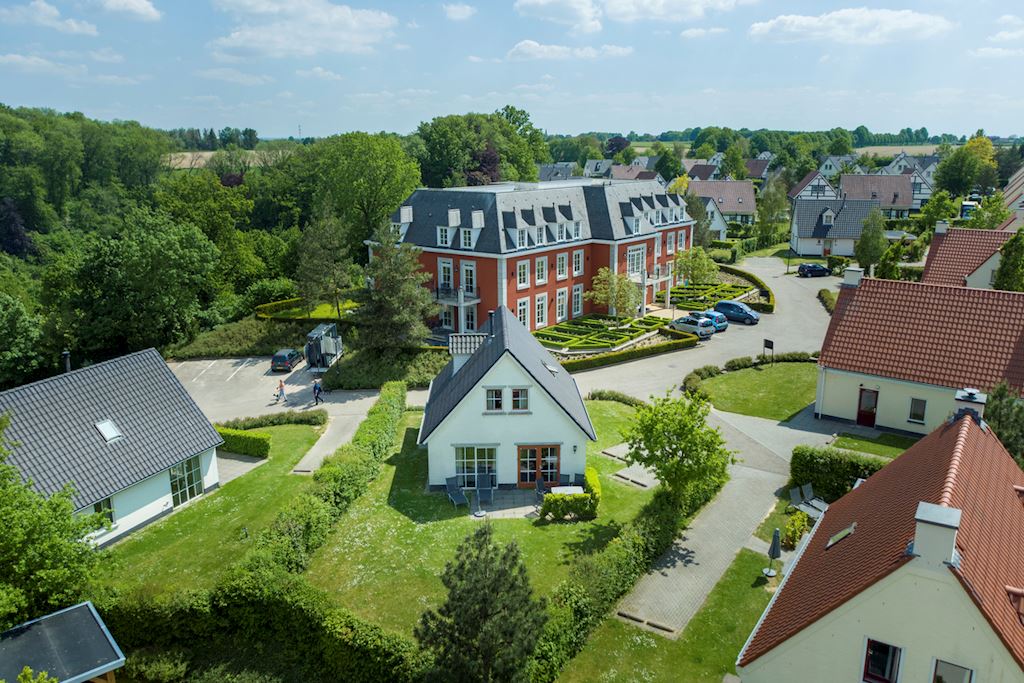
538,461
867,406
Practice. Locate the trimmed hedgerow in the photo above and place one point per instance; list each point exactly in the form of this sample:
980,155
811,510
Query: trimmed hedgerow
256,444
828,299
287,417
761,306
558,506
617,396
830,470
683,340
739,363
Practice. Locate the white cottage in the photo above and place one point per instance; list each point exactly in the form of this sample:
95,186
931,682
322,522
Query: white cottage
504,406
124,434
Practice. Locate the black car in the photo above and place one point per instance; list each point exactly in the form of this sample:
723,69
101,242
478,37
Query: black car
286,359
812,270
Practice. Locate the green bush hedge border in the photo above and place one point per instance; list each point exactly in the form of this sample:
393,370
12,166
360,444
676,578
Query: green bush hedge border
314,417
617,396
683,340
759,306
828,299
255,444
831,471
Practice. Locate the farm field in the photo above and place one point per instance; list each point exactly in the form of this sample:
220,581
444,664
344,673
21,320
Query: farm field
891,150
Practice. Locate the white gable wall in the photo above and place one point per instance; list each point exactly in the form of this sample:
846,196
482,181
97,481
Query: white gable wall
983,276
469,424
926,612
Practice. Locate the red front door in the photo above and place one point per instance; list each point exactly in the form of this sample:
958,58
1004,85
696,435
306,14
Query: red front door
867,405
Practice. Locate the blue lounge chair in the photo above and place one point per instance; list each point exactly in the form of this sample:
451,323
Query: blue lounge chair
455,494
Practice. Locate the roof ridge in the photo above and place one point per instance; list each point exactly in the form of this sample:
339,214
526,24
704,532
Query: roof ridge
954,463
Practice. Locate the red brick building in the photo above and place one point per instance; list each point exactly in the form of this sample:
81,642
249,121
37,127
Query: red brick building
535,247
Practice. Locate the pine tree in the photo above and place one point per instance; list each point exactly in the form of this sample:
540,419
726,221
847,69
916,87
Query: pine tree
488,627
1010,274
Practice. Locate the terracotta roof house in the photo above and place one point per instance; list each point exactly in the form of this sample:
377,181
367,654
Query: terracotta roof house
894,193
963,257
735,198
1013,198
895,355
813,186
703,172
914,575
823,227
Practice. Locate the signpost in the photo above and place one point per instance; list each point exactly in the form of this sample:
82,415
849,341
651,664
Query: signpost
769,345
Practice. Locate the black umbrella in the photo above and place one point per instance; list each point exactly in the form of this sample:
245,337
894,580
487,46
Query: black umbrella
774,553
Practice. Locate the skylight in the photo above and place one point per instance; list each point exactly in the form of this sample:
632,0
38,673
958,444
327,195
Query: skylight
551,368
848,531
109,431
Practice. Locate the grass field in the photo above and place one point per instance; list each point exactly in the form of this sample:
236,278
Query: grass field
385,557
192,547
893,150
321,311
704,653
775,392
886,445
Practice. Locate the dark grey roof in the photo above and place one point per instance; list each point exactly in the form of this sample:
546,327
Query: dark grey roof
510,336
848,221
596,168
560,170
72,645
53,423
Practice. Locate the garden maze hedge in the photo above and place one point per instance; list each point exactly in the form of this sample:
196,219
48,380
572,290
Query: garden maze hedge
700,297
596,332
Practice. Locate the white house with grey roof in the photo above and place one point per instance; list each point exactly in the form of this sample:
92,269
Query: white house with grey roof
124,434
824,227
503,406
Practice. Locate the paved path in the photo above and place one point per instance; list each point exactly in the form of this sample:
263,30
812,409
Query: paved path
232,465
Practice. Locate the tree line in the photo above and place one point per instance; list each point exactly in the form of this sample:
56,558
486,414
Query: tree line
209,140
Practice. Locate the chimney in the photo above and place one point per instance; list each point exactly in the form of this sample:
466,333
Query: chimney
968,400
490,322
65,356
461,347
852,277
941,227
935,534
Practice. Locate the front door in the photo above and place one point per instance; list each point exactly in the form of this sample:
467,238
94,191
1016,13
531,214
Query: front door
538,461
867,405
827,251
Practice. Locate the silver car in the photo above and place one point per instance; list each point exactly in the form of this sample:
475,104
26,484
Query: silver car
702,327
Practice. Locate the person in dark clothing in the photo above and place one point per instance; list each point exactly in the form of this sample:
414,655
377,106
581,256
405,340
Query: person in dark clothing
317,393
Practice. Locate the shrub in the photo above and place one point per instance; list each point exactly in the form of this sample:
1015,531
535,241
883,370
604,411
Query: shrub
828,299
787,357
361,370
796,526
707,371
558,506
831,471
911,273
243,338
692,385
297,532
256,444
739,363
761,306
683,340
157,666
267,290
722,255
837,264
612,395
592,485
287,417
267,310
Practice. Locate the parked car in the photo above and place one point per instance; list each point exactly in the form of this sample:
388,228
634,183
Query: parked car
720,322
812,270
738,312
702,327
286,359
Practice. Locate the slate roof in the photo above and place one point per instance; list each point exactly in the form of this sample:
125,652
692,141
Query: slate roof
891,191
924,345
597,168
959,465
702,171
53,421
732,196
959,252
756,168
847,223
560,170
511,337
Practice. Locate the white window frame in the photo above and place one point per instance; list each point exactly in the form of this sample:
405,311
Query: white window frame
522,239
540,270
561,305
524,394
485,455
562,266
562,233
657,245
446,317
523,274
577,300
577,262
523,311
631,253
577,230
468,267
467,238
540,312
670,243
441,263
188,476
494,399
681,240
470,317
444,237
542,234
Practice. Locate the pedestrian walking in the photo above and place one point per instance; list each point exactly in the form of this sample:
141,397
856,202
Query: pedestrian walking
280,392
317,393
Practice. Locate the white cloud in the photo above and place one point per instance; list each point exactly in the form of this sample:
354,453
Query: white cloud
531,49
458,11
320,73
288,28
854,26
476,59
106,55
1014,34
41,13
701,32
139,9
230,75
109,79
997,52
37,65
1010,20
584,16
666,10
534,87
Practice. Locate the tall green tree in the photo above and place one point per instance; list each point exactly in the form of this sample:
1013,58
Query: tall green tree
45,560
324,270
671,436
889,265
669,166
1010,273
200,199
990,214
488,627
477,148
697,210
940,207
395,304
20,353
695,266
1004,412
772,208
872,243
733,163
615,291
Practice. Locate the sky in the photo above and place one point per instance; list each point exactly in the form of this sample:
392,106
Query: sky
325,66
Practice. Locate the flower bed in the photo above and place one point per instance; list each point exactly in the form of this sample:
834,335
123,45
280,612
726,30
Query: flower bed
699,297
597,332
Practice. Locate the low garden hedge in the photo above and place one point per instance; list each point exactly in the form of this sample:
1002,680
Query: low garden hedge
701,296
763,307
828,299
596,332
692,382
681,340
617,396
359,370
288,417
830,470
579,506
837,264
256,444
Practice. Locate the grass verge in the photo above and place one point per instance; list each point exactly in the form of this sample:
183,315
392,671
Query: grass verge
775,392
361,370
885,445
246,337
776,519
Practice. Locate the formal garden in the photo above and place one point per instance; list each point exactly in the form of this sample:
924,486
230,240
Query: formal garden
702,296
597,332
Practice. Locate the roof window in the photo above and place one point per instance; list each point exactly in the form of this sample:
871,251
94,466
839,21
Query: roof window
109,431
848,531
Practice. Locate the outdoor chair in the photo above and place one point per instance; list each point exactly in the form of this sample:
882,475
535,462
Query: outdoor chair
541,491
564,479
484,489
795,501
579,480
807,492
455,494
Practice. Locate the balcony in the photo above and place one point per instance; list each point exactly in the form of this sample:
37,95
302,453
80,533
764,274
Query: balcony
450,296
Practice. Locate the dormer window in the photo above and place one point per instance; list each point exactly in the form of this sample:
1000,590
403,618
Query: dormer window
443,236
542,235
828,218
478,219
577,230
521,239
561,232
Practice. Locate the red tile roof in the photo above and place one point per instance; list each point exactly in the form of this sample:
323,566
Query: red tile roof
934,334
960,465
892,191
958,253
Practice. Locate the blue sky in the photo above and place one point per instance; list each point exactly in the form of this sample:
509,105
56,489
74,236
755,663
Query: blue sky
576,65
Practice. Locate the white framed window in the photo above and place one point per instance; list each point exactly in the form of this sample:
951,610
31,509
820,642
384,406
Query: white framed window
561,305
541,270
471,461
523,312
562,232
946,672
681,241
104,508
881,662
467,239
671,272
542,235
562,266
469,277
443,236
918,406
670,243
470,318
186,481
577,230
521,239
520,399
494,398
577,300
444,273
657,271
446,317
522,274
577,262
635,260
657,245
540,315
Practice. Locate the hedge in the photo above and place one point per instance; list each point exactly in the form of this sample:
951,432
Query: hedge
911,273
256,444
828,299
416,367
757,282
692,382
830,470
288,417
267,310
837,264
683,340
617,396
559,506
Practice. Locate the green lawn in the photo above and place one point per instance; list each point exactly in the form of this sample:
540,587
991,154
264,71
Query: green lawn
886,445
776,392
385,557
706,650
191,548
322,311
777,250
776,519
